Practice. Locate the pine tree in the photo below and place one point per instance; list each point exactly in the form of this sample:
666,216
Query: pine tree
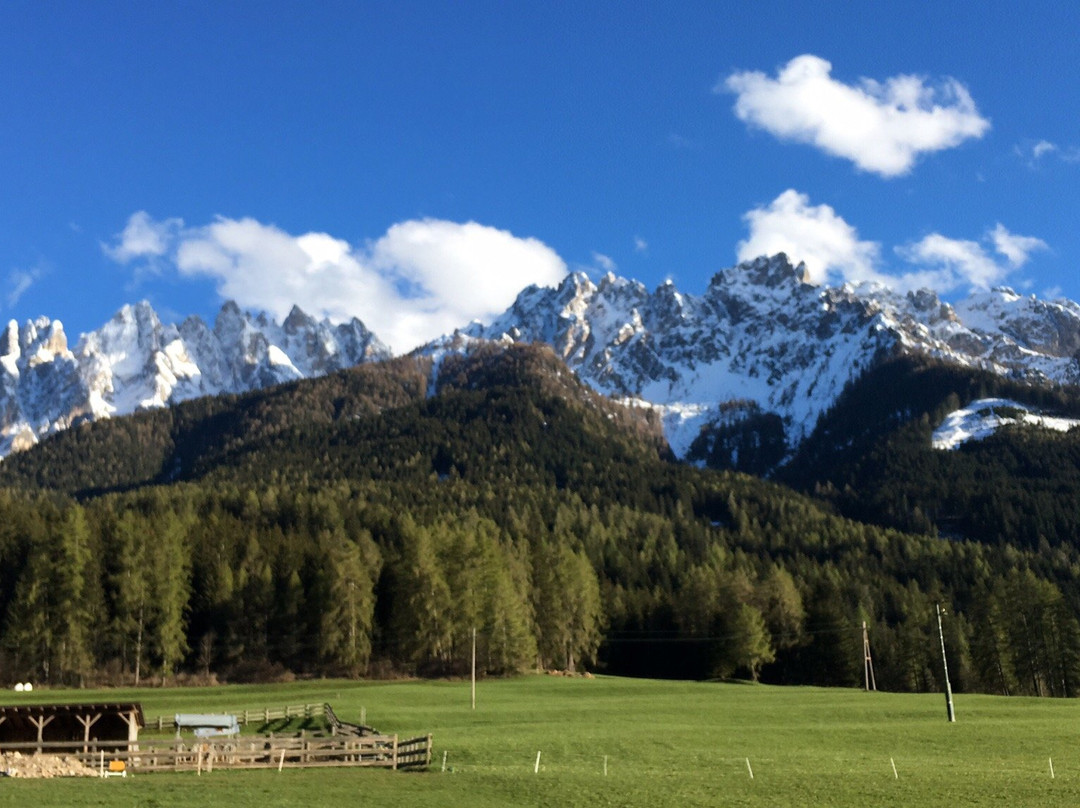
170,570
130,587
71,587
351,569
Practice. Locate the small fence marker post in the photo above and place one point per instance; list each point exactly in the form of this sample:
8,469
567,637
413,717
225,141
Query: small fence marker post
281,761
444,760
605,765
1051,768
894,772
536,768
749,769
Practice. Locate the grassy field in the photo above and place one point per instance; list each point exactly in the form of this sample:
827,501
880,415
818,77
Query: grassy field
666,743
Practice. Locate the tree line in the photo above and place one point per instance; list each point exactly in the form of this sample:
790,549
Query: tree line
741,579
358,525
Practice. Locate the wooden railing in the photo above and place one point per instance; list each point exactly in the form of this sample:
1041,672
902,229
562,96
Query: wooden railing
245,717
383,751
339,727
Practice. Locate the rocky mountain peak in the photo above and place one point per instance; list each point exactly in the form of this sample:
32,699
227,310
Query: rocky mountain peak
297,320
764,336
762,342
764,272
134,362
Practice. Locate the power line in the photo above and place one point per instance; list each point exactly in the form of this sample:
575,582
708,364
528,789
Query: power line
673,636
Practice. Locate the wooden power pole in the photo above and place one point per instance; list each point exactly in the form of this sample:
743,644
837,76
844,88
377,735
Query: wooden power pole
868,661
945,667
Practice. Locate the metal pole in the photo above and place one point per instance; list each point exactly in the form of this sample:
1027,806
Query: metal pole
945,667
474,668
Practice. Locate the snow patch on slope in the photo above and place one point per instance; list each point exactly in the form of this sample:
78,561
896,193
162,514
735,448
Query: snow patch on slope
981,419
682,422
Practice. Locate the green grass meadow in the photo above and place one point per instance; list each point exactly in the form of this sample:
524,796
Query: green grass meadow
666,743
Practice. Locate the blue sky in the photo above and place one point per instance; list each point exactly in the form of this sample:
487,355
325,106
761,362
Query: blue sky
415,163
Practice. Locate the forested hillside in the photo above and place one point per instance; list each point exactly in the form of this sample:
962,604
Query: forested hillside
871,456
367,522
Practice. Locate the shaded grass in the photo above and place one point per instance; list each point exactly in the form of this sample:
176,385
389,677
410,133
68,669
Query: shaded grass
667,743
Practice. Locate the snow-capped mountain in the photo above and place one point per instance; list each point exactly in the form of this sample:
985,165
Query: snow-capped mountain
762,338
134,362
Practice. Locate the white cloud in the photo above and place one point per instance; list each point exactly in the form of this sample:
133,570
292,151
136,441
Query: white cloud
604,262
881,127
954,262
958,262
143,238
19,282
460,272
1043,147
1033,153
1017,249
813,234
833,252
640,244
421,279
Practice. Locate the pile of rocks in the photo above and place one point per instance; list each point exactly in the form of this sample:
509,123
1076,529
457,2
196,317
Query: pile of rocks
16,764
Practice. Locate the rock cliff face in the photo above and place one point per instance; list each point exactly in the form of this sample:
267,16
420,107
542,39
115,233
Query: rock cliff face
134,362
760,342
762,339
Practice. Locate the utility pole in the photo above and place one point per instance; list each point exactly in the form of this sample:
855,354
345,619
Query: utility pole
945,667
868,662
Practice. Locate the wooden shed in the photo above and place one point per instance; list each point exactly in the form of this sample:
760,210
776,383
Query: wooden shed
78,723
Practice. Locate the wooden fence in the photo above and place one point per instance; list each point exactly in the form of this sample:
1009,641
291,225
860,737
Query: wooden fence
245,717
382,751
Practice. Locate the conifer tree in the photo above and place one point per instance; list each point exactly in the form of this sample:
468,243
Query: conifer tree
169,566
351,569
129,586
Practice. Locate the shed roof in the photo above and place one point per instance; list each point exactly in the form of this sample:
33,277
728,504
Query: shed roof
77,723
23,710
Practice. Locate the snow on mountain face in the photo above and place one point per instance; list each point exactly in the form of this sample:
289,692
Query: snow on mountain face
997,330
763,339
134,362
761,333
981,419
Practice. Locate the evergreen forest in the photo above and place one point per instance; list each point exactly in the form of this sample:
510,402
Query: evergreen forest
367,522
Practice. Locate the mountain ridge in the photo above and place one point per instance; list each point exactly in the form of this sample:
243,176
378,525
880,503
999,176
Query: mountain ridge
761,342
135,362
763,335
